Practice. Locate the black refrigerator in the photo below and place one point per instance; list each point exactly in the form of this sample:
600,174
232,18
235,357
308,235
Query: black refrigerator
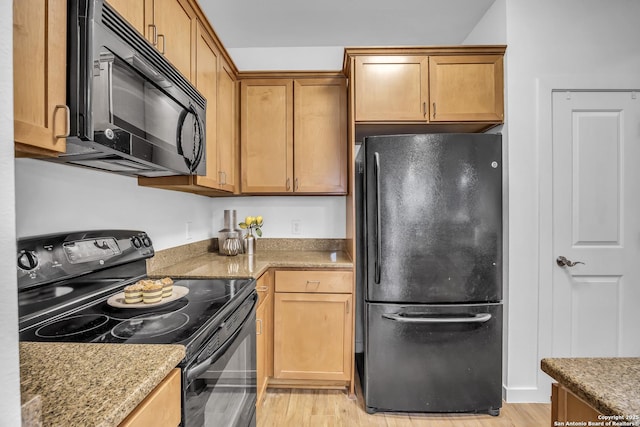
429,272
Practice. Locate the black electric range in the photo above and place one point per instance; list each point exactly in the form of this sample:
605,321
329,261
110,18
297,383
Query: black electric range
66,287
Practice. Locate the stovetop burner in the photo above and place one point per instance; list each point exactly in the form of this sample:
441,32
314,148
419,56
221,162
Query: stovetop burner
147,326
182,321
72,326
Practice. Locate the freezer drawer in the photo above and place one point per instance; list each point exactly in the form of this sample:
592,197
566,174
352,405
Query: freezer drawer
433,358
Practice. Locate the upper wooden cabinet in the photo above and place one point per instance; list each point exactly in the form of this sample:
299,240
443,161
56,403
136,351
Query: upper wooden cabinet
320,136
460,84
206,81
466,88
227,128
41,117
266,135
170,25
215,79
138,13
293,136
392,87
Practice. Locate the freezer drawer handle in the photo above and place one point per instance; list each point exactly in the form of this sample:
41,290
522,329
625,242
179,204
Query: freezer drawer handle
376,173
478,318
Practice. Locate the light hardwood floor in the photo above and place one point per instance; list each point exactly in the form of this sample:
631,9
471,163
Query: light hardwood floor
332,408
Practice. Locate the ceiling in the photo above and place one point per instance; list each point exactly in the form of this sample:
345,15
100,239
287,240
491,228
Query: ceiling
306,23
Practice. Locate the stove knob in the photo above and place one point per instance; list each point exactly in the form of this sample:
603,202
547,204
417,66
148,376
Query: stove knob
27,260
146,241
137,243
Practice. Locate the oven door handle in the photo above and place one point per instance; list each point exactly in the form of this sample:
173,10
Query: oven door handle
197,370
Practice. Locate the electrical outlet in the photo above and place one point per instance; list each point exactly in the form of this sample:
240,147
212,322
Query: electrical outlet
187,230
296,227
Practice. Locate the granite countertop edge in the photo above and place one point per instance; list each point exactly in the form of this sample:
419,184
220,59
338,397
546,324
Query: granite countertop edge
211,265
600,382
93,384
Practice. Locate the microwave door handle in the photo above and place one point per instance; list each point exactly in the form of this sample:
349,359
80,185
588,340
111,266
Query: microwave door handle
376,175
477,318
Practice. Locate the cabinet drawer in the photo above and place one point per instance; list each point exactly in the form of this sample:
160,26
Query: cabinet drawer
314,281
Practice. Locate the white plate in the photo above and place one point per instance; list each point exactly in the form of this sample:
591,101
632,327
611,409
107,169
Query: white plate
117,300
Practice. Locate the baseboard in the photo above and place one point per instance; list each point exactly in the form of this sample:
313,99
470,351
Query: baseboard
526,394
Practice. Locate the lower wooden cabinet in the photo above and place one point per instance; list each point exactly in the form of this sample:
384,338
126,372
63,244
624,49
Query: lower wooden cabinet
312,336
313,327
567,407
161,407
264,333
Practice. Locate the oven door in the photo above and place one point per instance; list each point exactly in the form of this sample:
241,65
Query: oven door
221,389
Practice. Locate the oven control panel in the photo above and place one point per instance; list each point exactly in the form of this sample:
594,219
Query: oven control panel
54,257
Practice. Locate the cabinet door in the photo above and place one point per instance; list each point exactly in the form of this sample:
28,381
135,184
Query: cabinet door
266,121
320,136
391,88
161,407
466,88
227,128
134,11
39,70
312,336
175,24
206,81
261,375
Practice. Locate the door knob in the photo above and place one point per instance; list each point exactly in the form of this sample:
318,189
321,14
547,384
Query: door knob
563,262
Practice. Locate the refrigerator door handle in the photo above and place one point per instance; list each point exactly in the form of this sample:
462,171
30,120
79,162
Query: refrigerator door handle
478,318
376,174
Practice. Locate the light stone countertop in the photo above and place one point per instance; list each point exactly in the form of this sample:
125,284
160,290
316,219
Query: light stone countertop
92,384
213,265
610,385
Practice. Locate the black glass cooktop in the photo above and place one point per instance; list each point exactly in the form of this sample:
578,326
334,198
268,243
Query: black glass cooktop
180,321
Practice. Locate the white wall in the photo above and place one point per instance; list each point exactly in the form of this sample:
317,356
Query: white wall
288,58
584,40
9,360
52,197
317,216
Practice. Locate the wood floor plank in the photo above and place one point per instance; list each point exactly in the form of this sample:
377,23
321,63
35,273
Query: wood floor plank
330,408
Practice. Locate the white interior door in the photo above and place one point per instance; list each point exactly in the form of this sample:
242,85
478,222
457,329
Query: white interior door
596,221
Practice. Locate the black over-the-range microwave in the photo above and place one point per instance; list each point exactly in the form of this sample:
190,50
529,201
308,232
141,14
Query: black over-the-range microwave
131,111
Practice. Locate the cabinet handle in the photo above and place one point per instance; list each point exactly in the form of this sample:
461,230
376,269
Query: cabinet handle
163,43
348,306
259,332
154,32
224,176
68,122
288,184
424,109
295,185
434,110
313,282
262,289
